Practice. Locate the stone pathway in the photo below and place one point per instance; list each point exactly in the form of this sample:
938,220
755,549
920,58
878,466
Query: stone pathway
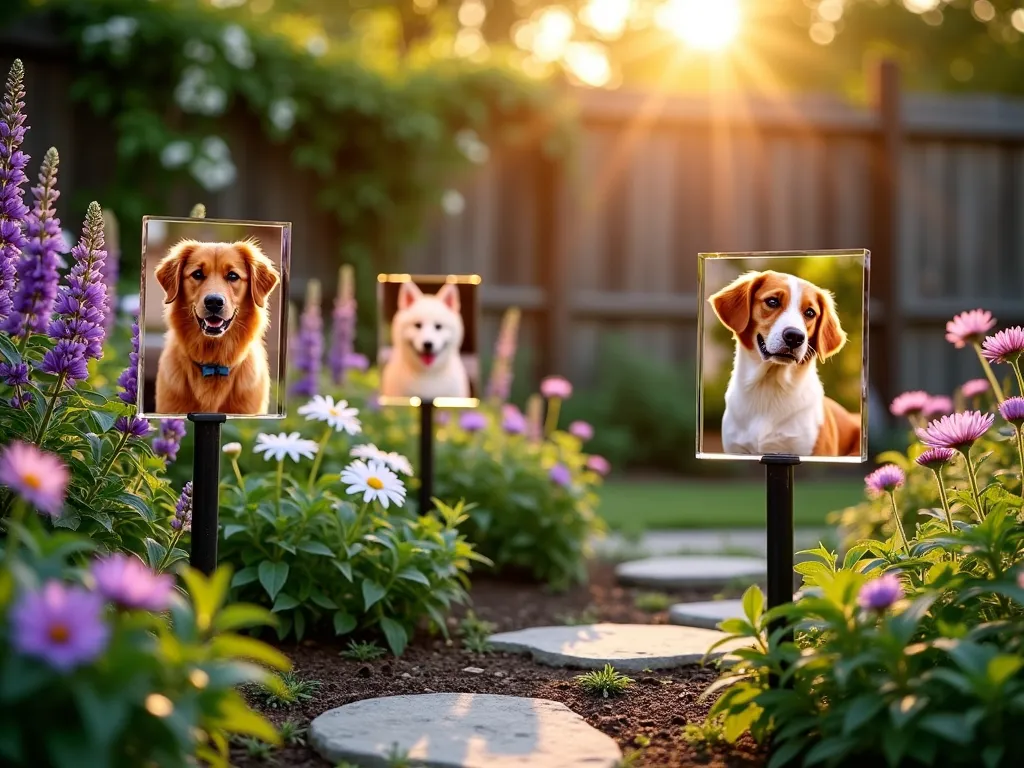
461,730
681,571
706,615
627,647
747,541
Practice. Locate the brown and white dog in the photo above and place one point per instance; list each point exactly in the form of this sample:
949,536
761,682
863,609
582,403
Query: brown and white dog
775,402
214,358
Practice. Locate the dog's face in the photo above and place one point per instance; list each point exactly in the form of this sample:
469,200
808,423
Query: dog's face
430,327
216,285
782,318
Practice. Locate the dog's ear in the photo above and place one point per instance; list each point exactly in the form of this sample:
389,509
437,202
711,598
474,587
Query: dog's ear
263,275
168,271
829,336
733,303
449,294
408,292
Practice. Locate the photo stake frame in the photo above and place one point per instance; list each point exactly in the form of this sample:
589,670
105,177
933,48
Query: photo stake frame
213,300
428,351
782,373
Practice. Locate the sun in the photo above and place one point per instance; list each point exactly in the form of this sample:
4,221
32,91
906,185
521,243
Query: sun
708,25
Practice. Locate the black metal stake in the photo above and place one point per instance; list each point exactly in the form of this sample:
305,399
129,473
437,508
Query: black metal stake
779,487
426,456
205,490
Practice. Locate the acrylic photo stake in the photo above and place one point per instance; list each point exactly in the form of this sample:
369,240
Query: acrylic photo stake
426,456
779,473
205,490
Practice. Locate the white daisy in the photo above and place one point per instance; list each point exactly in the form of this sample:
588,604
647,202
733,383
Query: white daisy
374,481
397,462
339,416
278,446
367,452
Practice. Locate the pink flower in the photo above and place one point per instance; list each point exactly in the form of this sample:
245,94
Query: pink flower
127,581
39,478
581,429
1012,409
974,387
598,464
939,405
969,327
556,386
885,479
909,403
1005,346
935,458
958,431
59,624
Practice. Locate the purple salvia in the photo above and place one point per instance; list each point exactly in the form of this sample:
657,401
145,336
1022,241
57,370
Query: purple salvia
182,520
81,306
111,267
12,178
343,327
38,270
309,344
167,443
499,387
132,425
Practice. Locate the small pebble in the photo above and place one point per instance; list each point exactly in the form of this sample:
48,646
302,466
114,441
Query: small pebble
499,673
407,676
473,670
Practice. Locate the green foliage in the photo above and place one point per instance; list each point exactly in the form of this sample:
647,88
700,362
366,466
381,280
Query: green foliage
474,633
653,602
606,682
363,651
163,689
588,615
292,733
288,690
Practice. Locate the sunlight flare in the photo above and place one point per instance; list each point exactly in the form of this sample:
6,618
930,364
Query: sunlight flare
706,26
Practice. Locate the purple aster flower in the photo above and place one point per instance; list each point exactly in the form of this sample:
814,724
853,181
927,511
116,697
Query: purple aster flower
969,327
512,420
12,178
21,401
958,431
81,307
473,421
62,625
40,478
975,387
343,327
939,405
127,581
1012,409
582,430
881,593
1006,346
885,479
167,443
598,464
14,374
935,458
560,475
499,386
132,426
556,386
111,267
182,520
356,361
309,344
129,378
38,270
909,403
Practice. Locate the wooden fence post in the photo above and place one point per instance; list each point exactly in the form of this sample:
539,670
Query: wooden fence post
885,254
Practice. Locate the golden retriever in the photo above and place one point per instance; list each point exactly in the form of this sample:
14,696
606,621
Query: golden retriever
214,358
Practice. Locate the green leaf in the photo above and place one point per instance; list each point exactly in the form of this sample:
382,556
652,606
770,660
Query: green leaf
273,576
242,615
372,593
412,574
737,627
245,576
955,728
22,677
236,717
207,593
753,604
344,623
316,548
104,420
396,635
828,749
300,624
1002,668
138,504
232,528
8,350
783,755
319,598
231,646
155,553
345,568
860,710
284,602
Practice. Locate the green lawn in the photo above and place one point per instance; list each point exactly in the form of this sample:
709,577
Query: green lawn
636,505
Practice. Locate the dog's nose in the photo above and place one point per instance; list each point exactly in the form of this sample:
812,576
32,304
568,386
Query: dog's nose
428,346
793,337
214,302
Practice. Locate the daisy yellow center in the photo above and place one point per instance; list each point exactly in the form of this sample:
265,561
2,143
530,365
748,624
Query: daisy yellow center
333,411
59,633
375,483
32,480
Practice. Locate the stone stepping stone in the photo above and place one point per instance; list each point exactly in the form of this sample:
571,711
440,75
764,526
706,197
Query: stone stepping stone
461,730
683,571
707,615
628,647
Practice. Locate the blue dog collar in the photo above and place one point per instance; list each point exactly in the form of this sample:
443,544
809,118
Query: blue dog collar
212,369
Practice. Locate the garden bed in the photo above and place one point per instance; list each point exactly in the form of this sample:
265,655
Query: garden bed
656,706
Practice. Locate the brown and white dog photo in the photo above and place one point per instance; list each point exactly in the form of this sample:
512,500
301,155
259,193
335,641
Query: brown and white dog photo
783,327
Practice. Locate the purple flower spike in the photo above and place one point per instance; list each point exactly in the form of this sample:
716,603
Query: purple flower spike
512,420
38,270
473,421
1012,409
881,593
309,345
132,426
969,327
59,624
81,307
958,431
975,387
166,445
127,581
556,386
12,178
182,520
499,386
909,403
885,479
129,378
1006,346
560,475
935,458
343,328
14,375
939,405
111,267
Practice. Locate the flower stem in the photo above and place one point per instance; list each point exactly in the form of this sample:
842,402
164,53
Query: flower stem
319,457
1020,376
238,473
175,537
945,499
551,422
899,522
106,467
974,485
280,481
1020,452
989,374
48,414
13,522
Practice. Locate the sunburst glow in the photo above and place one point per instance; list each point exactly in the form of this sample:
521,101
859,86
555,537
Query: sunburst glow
703,24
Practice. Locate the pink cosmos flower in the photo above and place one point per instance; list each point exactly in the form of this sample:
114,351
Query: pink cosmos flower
958,430
909,403
1012,409
130,583
1006,346
556,386
599,464
885,479
40,478
62,625
969,327
935,458
975,387
939,405
582,430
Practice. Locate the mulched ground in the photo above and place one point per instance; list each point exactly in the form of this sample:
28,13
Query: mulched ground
655,707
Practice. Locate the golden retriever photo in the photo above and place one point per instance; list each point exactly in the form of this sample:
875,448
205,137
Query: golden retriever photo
783,392
219,305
